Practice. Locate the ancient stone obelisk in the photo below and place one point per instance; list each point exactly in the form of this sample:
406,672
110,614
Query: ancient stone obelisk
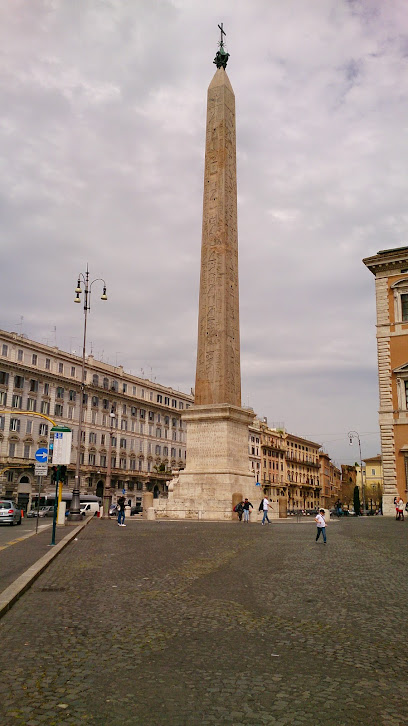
217,469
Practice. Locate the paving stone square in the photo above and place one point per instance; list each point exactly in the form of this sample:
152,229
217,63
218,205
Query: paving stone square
179,623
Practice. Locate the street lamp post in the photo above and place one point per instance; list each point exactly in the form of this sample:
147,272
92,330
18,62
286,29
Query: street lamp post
354,435
74,512
107,487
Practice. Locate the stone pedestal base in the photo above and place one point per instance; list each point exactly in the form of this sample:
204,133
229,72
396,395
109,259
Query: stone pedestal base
217,474
388,506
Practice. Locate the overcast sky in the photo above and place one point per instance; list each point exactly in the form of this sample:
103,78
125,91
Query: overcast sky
102,136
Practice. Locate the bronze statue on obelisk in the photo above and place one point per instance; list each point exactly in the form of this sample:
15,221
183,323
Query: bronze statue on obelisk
217,469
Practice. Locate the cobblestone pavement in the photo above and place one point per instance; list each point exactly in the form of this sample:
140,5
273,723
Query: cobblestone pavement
201,623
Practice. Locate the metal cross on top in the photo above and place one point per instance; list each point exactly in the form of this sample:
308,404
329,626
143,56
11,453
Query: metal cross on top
221,58
221,27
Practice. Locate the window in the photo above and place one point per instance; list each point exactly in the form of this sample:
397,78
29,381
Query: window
123,443
27,450
95,401
95,380
165,451
132,466
166,420
166,401
43,431
151,395
404,307
122,462
102,460
91,459
45,407
158,433
174,422
18,382
71,410
3,398
124,409
114,386
2,419
59,392
114,441
12,449
29,427
181,404
17,401
174,403
73,371
47,364
31,404
46,389
124,388
141,428
34,359
20,355
4,349
15,424
159,398
151,416
59,409
133,410
72,395
60,367
142,413
106,383
124,424
92,437
4,378
33,386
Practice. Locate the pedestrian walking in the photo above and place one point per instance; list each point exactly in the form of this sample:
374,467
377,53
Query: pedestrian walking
399,509
265,507
247,504
121,515
321,525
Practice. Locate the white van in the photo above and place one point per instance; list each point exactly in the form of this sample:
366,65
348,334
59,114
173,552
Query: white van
90,508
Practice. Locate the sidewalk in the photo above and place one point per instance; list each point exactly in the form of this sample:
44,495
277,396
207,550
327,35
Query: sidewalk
195,623
21,563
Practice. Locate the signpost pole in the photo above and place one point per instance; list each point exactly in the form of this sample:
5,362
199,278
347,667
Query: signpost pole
54,518
38,503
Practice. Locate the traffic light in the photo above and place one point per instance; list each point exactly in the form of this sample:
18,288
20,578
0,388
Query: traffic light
63,474
54,473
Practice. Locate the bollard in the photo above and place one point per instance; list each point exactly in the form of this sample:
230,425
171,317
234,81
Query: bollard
22,514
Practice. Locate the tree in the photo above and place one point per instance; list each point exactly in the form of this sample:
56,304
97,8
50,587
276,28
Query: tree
356,499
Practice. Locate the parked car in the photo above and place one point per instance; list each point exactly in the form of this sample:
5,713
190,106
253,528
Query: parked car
138,509
113,510
9,512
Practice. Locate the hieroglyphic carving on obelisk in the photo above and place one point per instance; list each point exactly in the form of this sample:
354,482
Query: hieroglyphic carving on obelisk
218,374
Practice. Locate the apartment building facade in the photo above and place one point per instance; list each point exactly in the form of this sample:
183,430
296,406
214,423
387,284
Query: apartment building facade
147,433
330,480
390,268
289,470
